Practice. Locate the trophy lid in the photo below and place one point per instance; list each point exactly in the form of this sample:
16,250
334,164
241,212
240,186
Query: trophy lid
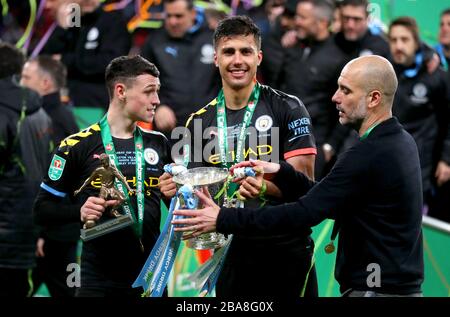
201,176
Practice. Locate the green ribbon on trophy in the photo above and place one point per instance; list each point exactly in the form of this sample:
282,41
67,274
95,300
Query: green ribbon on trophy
140,173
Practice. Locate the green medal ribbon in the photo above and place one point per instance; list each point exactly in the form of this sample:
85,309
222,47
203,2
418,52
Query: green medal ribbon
140,172
366,134
222,129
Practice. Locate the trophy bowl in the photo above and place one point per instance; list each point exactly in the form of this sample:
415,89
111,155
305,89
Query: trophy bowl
213,178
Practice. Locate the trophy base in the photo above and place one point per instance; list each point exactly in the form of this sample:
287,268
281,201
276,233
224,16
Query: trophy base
207,241
106,227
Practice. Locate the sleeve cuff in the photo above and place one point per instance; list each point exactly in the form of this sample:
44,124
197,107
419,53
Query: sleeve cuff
305,151
222,222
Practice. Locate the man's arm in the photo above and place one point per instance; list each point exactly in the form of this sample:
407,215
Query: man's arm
299,149
50,209
342,186
303,164
442,173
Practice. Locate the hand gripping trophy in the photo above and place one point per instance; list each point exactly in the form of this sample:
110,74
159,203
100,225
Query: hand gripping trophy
107,174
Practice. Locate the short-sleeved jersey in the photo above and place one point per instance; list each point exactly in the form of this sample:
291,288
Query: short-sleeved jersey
116,254
280,128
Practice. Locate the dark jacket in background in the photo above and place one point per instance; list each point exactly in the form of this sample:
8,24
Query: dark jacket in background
63,125
422,107
374,191
310,72
63,120
188,75
24,158
273,54
87,50
369,44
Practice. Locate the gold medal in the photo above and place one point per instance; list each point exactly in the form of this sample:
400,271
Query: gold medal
329,248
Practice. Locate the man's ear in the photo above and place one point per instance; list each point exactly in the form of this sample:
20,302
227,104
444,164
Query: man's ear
215,59
260,57
46,83
374,98
120,91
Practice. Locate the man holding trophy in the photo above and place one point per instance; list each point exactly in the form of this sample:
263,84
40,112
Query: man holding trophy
112,258
252,121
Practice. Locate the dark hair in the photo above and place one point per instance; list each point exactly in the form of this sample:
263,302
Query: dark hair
125,69
355,3
11,60
445,12
189,3
54,68
409,23
237,25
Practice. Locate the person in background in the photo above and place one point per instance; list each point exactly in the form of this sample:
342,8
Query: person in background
87,49
47,77
25,147
422,103
57,245
440,202
317,60
183,52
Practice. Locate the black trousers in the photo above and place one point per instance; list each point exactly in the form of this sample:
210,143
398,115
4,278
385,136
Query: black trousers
269,272
14,282
52,269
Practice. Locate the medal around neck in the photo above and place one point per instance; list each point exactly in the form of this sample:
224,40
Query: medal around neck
214,179
112,219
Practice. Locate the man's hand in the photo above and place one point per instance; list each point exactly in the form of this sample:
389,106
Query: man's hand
165,119
198,221
267,167
94,207
289,39
40,248
433,63
328,152
442,173
251,186
167,186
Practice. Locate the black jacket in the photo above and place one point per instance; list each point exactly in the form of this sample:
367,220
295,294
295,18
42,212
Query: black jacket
86,51
24,157
63,125
63,120
310,72
188,75
369,44
374,191
422,107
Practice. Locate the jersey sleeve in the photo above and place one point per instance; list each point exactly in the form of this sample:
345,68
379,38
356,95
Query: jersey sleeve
296,129
59,177
197,138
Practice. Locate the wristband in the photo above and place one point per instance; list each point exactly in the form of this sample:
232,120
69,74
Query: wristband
263,190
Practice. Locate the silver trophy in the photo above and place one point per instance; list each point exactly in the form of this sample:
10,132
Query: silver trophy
214,179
